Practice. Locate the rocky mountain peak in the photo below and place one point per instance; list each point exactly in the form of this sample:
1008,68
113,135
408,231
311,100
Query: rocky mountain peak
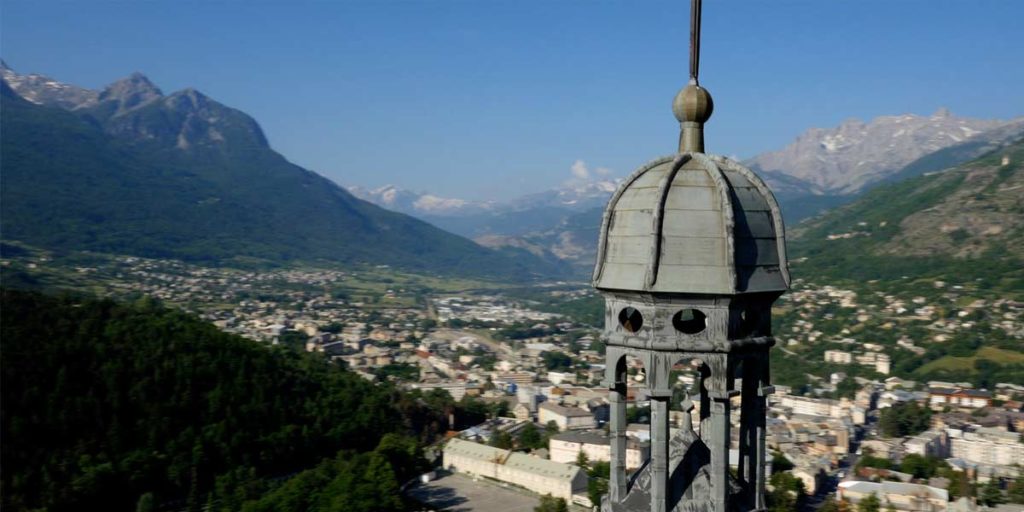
43,90
130,92
856,154
188,100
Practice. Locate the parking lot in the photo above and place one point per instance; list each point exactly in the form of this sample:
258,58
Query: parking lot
459,493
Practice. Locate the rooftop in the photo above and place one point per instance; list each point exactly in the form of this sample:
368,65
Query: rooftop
508,458
565,411
883,488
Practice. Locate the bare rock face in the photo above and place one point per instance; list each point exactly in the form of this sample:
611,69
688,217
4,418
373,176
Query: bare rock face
129,93
137,111
43,90
847,158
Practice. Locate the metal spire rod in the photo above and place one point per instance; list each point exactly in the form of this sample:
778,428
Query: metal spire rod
694,40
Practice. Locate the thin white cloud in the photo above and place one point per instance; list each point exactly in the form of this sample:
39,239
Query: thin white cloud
579,170
585,178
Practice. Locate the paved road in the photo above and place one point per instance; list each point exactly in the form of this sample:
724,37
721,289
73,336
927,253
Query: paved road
459,493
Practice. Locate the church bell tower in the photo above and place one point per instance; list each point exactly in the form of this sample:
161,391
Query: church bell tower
691,257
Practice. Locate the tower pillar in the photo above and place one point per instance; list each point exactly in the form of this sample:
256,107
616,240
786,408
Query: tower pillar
718,439
748,464
765,389
659,453
617,427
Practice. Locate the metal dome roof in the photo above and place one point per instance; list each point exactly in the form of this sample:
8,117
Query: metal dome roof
692,223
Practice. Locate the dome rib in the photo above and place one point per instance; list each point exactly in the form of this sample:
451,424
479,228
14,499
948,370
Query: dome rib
773,204
602,242
651,276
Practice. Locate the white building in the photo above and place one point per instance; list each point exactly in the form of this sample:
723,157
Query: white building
838,357
897,495
557,378
566,447
567,418
939,397
930,442
987,446
533,473
812,406
457,389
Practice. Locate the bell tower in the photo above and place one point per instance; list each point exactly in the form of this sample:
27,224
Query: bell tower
690,259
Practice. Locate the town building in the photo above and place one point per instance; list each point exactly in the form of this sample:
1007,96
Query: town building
567,418
932,442
457,388
988,446
938,398
566,447
533,473
838,357
897,495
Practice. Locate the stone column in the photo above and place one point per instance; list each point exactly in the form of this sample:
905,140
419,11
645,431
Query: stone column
718,442
617,481
718,438
749,412
763,392
704,399
659,453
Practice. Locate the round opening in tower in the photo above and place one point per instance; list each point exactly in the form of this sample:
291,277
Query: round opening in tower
630,319
689,321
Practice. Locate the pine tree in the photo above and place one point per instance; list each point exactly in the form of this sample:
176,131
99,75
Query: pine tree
870,504
549,503
146,503
1015,492
582,460
829,506
991,495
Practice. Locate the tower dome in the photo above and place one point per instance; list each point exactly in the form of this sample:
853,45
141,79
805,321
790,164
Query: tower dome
692,223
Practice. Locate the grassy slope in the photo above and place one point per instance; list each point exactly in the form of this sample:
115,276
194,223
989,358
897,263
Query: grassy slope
907,235
967,364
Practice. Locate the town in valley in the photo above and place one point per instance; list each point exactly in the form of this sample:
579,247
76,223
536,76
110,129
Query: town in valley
848,419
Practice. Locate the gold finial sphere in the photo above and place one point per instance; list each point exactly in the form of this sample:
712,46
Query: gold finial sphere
693,104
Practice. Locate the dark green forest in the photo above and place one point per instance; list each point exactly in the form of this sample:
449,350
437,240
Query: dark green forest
109,406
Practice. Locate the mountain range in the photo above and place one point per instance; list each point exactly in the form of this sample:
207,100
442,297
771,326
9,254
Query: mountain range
132,170
848,158
941,223
488,219
824,168
820,170
181,175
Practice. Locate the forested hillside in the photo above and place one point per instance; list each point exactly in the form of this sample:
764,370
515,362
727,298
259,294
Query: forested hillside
963,224
185,177
111,407
929,271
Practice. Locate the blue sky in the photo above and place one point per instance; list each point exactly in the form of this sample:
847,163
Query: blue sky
490,99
